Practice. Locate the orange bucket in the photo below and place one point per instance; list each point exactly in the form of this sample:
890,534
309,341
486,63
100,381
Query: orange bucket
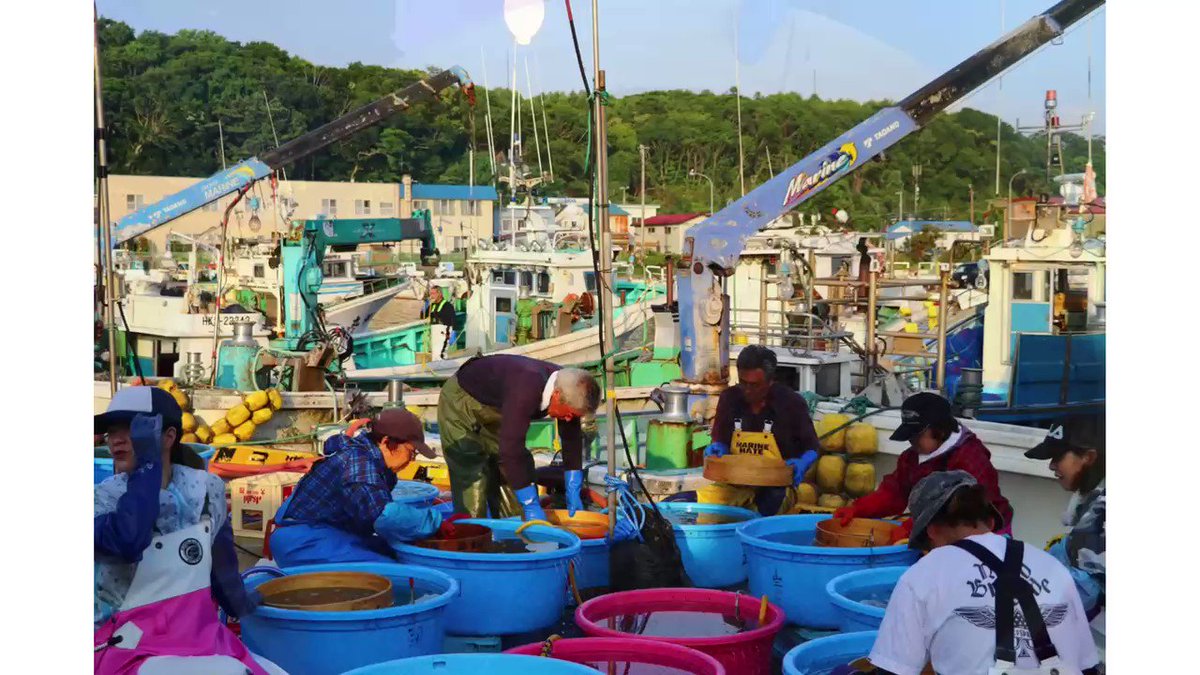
859,533
585,524
468,538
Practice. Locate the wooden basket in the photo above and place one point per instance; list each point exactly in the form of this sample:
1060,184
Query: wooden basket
328,592
749,470
859,533
468,538
585,524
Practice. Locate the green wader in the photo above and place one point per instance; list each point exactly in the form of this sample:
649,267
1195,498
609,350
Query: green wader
470,433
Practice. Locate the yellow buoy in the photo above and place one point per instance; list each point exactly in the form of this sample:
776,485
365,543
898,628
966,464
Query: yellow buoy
860,478
862,440
167,385
256,400
221,426
831,501
224,439
204,434
275,399
836,441
189,422
831,471
261,416
181,398
189,438
806,493
245,431
237,415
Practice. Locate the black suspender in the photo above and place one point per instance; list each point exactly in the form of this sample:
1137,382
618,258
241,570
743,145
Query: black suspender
1010,589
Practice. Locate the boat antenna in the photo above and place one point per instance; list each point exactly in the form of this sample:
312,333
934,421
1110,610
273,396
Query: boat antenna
545,127
105,229
737,90
537,136
487,97
221,143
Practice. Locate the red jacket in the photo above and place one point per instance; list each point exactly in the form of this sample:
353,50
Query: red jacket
970,455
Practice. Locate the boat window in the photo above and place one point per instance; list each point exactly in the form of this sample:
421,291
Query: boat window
543,282
1022,286
526,279
504,304
260,271
589,281
498,276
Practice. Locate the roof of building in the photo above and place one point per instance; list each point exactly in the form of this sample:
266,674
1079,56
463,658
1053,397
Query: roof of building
615,210
458,192
907,227
674,218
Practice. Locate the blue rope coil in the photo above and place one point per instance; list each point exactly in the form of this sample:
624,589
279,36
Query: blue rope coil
627,505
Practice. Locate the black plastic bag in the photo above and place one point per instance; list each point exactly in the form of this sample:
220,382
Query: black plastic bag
654,562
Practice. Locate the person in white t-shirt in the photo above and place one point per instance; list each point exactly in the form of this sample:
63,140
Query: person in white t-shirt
963,606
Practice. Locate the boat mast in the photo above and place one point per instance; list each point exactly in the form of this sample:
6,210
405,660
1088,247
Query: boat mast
603,284
105,230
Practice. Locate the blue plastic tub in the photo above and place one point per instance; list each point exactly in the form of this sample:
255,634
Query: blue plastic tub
824,654
103,466
475,664
503,593
591,568
415,493
712,554
794,573
848,592
329,643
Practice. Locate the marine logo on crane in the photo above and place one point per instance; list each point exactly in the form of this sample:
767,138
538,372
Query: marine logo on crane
805,183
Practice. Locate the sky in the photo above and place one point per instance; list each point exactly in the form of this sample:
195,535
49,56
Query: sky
855,49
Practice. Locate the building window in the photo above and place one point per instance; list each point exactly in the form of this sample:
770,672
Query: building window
419,206
443,207
652,230
387,209
362,207
329,208
472,208
526,279
133,202
543,282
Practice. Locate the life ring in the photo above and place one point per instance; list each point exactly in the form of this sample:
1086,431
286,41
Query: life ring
587,304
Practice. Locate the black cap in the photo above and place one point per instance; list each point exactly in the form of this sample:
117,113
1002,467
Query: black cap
1070,433
923,410
143,400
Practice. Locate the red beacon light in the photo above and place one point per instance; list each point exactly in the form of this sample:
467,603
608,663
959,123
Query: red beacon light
1051,99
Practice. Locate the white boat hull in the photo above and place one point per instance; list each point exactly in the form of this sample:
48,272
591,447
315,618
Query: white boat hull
355,314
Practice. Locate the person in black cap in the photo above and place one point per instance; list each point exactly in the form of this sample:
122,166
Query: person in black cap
979,603
1075,448
342,510
937,443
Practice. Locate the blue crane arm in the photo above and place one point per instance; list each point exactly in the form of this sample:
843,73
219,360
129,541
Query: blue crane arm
235,178
712,248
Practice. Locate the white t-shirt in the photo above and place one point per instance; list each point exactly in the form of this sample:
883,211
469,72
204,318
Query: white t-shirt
943,610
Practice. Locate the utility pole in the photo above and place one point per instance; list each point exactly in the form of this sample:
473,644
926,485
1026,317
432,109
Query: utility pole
971,191
642,153
105,230
916,174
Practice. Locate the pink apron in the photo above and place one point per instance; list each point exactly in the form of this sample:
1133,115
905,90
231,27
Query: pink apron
169,609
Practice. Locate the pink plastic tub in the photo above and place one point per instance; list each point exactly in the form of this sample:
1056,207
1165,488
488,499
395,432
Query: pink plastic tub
647,657
744,653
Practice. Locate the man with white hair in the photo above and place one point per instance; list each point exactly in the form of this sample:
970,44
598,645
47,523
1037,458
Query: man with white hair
440,313
484,412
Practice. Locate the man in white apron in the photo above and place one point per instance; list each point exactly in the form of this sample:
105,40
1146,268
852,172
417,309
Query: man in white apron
979,603
155,528
440,314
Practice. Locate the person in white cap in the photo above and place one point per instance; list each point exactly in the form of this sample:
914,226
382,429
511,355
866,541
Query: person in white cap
163,550
979,603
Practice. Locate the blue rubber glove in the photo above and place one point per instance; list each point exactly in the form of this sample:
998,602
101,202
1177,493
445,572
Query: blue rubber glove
624,531
800,465
528,496
716,450
401,523
574,485
145,431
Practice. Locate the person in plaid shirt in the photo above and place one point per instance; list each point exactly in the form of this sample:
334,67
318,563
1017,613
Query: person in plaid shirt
938,443
342,510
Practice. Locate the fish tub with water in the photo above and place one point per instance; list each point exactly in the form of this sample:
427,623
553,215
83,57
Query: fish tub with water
708,541
823,655
475,664
411,622
628,657
786,564
860,598
516,584
723,625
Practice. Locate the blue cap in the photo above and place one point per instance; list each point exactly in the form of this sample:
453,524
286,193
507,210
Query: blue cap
132,401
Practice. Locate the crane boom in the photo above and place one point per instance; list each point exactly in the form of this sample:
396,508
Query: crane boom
712,248
234,178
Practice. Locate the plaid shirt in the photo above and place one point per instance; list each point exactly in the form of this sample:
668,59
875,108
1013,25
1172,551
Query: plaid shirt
347,489
970,455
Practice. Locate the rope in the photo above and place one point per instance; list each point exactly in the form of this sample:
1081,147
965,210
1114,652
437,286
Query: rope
605,97
627,505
